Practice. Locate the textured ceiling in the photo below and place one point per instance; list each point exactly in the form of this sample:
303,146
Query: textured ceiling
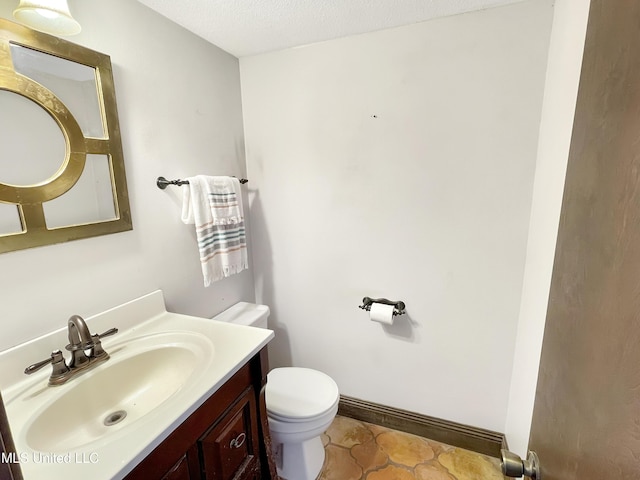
248,27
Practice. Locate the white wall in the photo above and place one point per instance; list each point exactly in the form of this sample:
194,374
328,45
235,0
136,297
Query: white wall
180,115
400,164
561,90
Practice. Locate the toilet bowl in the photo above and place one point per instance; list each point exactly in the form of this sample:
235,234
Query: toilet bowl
301,404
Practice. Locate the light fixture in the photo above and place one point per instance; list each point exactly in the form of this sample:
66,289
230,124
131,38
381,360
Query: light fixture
49,16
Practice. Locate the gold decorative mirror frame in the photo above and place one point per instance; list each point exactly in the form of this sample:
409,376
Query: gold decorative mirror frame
29,199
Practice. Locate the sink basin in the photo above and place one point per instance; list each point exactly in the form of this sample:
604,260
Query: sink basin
163,367
139,377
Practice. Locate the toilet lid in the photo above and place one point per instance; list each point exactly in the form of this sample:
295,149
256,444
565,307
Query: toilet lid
295,393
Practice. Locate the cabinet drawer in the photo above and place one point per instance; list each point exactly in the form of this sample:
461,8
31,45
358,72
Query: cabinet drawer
229,450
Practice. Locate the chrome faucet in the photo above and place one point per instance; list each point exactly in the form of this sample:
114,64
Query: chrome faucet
86,352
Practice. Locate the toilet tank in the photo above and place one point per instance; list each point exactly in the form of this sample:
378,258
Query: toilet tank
244,313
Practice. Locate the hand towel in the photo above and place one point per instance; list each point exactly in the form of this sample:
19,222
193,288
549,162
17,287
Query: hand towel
214,205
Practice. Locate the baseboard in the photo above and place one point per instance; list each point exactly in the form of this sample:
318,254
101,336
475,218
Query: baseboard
458,435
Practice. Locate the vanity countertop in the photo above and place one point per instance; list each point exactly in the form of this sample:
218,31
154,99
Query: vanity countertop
48,445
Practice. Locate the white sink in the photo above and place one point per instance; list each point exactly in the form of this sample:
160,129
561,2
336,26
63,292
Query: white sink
135,380
162,367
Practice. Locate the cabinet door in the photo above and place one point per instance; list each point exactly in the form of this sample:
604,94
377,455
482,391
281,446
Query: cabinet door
229,450
180,471
187,468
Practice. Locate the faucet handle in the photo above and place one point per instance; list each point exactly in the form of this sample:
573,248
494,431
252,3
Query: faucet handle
56,360
111,331
37,366
98,351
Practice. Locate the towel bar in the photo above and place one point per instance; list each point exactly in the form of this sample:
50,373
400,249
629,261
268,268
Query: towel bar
162,182
398,307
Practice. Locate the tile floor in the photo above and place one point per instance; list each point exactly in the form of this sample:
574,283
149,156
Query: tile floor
361,451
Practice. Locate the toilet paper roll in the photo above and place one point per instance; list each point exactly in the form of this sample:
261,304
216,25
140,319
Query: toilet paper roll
381,313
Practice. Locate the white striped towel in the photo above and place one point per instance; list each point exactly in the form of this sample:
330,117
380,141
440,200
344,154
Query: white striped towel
214,205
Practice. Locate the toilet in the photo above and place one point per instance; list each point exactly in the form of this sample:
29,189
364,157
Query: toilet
301,404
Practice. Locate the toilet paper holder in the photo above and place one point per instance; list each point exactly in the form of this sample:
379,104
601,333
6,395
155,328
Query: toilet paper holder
398,307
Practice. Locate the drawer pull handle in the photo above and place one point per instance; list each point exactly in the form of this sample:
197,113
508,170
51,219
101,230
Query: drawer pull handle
238,441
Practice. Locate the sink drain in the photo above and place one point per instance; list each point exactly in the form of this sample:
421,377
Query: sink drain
115,417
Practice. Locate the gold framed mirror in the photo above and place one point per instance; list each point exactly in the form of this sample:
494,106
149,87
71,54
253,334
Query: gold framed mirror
62,173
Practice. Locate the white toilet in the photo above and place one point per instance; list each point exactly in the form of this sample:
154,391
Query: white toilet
301,404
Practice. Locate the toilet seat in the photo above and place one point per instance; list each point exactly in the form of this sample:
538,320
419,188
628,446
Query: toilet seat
296,394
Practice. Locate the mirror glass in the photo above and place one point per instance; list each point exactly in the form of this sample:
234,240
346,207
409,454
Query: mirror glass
90,200
9,219
61,164
23,161
73,83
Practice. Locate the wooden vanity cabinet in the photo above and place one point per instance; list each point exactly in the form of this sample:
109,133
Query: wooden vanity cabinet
9,469
227,438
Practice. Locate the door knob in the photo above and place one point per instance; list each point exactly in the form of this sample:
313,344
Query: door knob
513,466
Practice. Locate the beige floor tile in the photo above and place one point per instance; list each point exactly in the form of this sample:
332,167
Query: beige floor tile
361,451
369,455
432,472
339,465
439,448
347,432
465,465
405,449
391,472
377,429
